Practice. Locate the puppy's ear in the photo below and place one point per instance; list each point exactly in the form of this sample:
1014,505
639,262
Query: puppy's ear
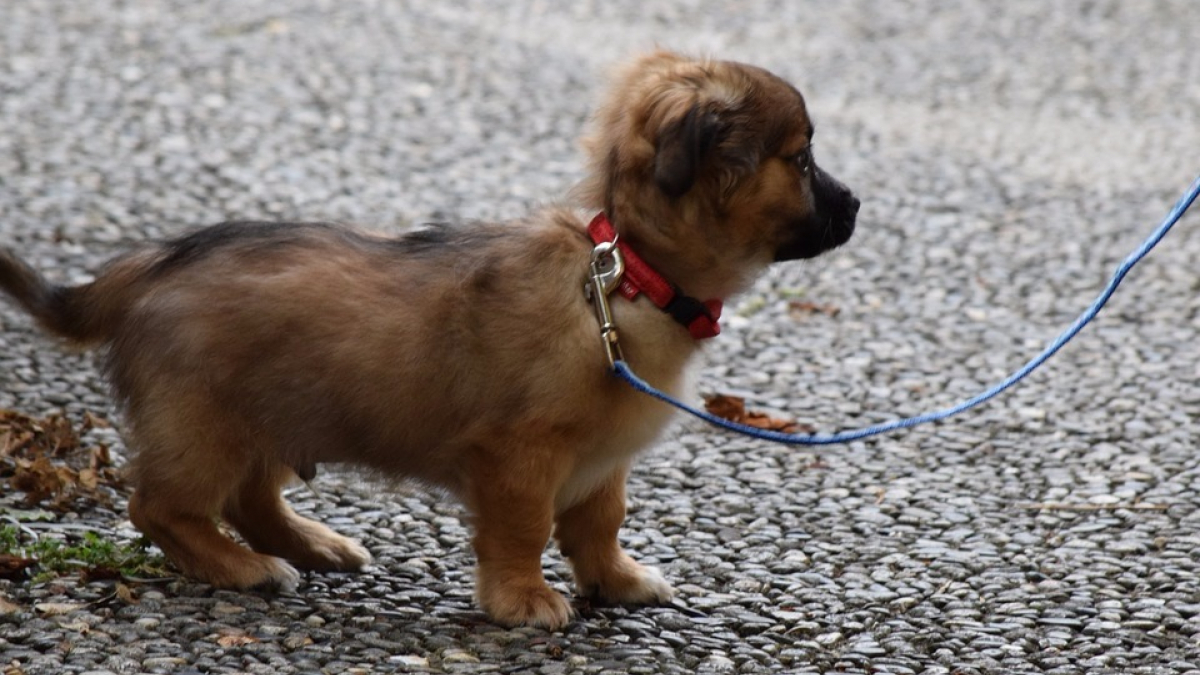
681,150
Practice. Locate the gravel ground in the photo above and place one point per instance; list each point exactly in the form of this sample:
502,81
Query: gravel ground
1007,154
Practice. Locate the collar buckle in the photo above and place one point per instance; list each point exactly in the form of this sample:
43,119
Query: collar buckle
605,272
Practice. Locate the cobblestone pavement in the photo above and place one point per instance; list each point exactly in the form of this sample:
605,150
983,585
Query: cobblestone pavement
1007,154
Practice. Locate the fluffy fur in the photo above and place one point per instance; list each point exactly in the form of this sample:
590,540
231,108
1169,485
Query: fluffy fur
464,357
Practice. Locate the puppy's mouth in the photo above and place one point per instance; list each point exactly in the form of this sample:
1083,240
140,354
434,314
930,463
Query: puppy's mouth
816,237
830,224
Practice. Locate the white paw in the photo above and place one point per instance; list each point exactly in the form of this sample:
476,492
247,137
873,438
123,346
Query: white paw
650,588
277,575
537,605
630,584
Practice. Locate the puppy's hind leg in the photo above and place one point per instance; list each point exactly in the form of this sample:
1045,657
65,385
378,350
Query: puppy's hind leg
587,536
183,474
259,513
179,514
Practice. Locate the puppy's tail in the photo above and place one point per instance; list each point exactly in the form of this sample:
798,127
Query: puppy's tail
82,314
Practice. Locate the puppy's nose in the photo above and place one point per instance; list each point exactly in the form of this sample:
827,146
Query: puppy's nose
852,207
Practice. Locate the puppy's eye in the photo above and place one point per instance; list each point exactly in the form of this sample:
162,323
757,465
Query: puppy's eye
803,160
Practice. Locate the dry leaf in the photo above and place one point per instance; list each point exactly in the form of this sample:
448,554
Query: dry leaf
15,441
733,408
294,642
125,595
14,567
236,640
57,608
38,478
91,421
76,626
805,307
99,573
45,459
8,607
100,457
59,435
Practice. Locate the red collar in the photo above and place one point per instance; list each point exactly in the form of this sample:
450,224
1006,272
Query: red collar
700,318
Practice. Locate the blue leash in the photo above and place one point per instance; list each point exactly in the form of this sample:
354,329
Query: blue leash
622,369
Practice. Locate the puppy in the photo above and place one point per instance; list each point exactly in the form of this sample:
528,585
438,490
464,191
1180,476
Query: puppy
463,357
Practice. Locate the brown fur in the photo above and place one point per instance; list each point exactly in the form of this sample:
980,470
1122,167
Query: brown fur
466,358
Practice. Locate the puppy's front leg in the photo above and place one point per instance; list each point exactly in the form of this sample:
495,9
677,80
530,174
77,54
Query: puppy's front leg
587,535
513,518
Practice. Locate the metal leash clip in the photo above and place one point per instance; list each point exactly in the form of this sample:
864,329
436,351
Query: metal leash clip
606,269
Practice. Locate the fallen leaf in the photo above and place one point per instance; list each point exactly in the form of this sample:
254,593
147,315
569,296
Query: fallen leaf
125,595
59,435
101,457
91,421
733,408
7,607
764,421
14,567
15,442
99,573
57,608
236,640
39,479
806,307
46,460
76,626
294,642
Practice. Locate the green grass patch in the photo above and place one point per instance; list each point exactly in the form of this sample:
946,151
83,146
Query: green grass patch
91,556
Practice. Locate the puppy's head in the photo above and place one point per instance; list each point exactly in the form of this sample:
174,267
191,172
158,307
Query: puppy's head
707,167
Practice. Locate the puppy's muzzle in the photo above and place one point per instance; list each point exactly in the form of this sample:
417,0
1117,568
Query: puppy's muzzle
839,205
831,223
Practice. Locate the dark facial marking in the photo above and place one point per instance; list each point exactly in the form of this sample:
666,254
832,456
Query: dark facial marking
830,224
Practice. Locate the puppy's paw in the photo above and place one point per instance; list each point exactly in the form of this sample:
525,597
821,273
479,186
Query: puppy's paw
272,575
349,555
628,582
527,605
248,572
332,552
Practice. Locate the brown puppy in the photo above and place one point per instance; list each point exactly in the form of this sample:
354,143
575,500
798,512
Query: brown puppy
467,358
